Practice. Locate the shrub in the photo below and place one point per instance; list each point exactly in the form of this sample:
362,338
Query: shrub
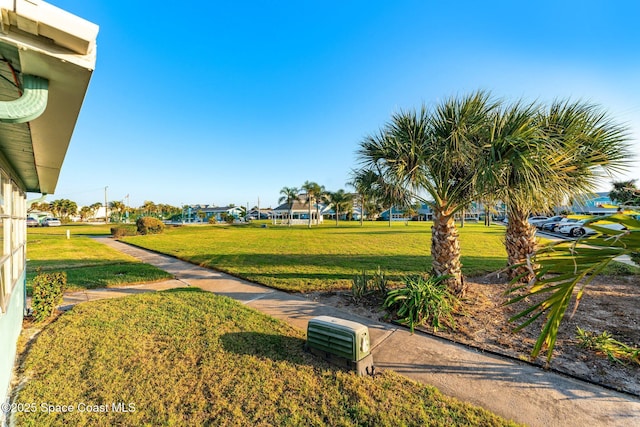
635,257
423,299
149,225
213,220
48,289
228,218
122,231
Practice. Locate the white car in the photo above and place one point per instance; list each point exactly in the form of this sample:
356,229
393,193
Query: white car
51,222
577,229
535,219
555,225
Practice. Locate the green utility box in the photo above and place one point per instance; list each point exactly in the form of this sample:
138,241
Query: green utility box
341,342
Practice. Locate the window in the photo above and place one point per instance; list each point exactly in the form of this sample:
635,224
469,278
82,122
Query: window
13,237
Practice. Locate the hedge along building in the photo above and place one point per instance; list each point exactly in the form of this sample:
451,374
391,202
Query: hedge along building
47,57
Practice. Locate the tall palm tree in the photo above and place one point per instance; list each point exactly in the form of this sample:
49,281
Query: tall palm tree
365,182
118,207
341,202
537,157
514,169
314,192
435,152
290,195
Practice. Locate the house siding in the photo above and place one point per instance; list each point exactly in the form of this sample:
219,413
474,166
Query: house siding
13,233
10,326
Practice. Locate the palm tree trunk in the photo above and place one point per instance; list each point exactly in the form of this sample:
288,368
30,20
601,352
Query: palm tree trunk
337,215
445,251
309,200
362,211
520,242
390,214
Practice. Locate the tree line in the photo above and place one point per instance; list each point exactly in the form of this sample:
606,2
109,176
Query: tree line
65,208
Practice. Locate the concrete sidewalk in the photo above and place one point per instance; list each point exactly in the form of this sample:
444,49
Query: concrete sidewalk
512,389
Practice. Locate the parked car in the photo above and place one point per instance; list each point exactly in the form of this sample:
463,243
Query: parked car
32,222
51,222
555,225
578,228
533,220
541,222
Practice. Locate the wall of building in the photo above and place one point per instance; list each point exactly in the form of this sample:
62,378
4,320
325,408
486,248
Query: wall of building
13,236
10,326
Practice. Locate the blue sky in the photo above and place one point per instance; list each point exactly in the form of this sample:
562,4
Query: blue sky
226,102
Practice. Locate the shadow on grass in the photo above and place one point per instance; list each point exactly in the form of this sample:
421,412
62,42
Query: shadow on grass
327,266
272,346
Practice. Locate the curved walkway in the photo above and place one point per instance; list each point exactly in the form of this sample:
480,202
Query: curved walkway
514,390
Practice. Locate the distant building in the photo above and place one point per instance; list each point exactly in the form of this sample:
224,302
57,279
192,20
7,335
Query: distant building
297,213
203,213
594,204
264,213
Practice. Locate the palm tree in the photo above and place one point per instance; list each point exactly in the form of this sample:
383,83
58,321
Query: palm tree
435,153
56,207
341,201
117,206
290,195
538,157
365,182
148,207
625,193
314,192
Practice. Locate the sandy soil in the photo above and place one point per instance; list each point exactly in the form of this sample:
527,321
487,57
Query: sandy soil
609,304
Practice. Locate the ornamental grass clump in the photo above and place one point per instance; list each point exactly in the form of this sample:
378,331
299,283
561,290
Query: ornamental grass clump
48,289
363,285
423,300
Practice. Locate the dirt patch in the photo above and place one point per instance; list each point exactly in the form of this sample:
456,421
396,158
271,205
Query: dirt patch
610,303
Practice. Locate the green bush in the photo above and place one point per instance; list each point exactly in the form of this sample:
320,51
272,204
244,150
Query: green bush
123,230
149,225
212,220
228,218
423,299
48,289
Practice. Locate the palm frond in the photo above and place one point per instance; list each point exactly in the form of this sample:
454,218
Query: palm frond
564,266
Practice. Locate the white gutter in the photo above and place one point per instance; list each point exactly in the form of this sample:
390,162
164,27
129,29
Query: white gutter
38,18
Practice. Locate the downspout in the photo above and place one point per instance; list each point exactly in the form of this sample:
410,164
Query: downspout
32,103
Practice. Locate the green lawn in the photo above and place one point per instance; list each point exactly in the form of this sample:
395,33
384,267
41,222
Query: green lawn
88,264
192,358
301,259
